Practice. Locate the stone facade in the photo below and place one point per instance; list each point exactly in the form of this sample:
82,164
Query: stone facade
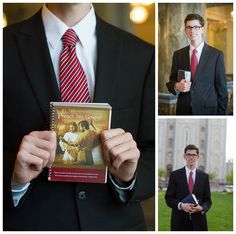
209,135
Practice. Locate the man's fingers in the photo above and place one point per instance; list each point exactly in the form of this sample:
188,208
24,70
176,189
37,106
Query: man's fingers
38,152
46,135
128,156
27,159
46,141
108,134
41,144
115,142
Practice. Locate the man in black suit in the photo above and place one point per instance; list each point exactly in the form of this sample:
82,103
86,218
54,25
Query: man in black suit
124,77
206,92
185,181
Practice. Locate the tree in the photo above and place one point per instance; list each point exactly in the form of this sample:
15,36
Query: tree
161,172
230,177
212,175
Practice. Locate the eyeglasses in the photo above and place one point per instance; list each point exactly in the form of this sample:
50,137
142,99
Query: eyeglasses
196,27
191,155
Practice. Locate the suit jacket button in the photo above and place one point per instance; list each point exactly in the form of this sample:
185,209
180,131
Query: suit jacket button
82,195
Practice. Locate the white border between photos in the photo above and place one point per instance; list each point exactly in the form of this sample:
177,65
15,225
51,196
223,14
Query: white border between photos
229,119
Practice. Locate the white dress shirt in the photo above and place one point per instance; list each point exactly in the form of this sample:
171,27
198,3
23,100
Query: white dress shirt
187,171
199,51
86,46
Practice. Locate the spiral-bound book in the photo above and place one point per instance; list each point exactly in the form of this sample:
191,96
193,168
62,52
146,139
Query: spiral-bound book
79,154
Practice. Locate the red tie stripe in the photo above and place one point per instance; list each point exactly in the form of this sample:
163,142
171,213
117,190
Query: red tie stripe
190,182
73,81
194,63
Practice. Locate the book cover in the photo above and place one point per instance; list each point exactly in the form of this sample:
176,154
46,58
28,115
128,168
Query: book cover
182,74
78,154
191,198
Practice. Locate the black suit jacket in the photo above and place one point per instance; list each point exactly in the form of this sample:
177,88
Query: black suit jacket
178,189
125,80
208,94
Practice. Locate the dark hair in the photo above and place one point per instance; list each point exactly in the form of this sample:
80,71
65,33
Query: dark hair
84,124
74,124
194,17
191,147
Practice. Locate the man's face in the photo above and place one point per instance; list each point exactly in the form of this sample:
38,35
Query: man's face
194,30
81,129
191,158
72,128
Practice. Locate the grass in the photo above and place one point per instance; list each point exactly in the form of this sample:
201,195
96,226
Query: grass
219,217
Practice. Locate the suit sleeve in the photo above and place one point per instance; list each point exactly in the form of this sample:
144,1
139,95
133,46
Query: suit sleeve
145,178
206,203
173,76
221,86
8,162
170,195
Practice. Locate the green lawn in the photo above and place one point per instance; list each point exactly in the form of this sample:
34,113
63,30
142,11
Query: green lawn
219,217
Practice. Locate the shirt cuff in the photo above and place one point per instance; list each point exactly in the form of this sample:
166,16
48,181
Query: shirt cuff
179,205
18,191
176,91
121,185
122,188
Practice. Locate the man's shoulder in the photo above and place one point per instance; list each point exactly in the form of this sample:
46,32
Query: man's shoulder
182,51
202,173
12,29
120,34
178,171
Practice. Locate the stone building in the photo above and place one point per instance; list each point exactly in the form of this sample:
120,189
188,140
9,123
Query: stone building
209,135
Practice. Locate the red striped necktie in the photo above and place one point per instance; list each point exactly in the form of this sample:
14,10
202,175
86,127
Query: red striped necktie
73,81
190,182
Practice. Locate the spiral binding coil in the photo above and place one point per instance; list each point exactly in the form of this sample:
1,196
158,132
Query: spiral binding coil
52,123
52,116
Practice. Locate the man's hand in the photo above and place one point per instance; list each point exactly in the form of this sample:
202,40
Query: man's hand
197,208
183,86
37,150
190,208
120,153
187,207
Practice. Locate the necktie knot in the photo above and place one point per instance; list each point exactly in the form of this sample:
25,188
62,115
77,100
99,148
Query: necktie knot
69,38
195,51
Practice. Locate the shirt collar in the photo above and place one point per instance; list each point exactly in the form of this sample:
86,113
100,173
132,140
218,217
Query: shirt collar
55,28
199,48
188,170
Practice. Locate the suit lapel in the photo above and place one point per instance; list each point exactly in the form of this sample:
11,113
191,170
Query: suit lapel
109,50
186,60
183,172
196,183
33,49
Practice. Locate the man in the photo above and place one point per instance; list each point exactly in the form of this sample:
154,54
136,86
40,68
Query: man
185,181
113,63
88,139
68,142
206,92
